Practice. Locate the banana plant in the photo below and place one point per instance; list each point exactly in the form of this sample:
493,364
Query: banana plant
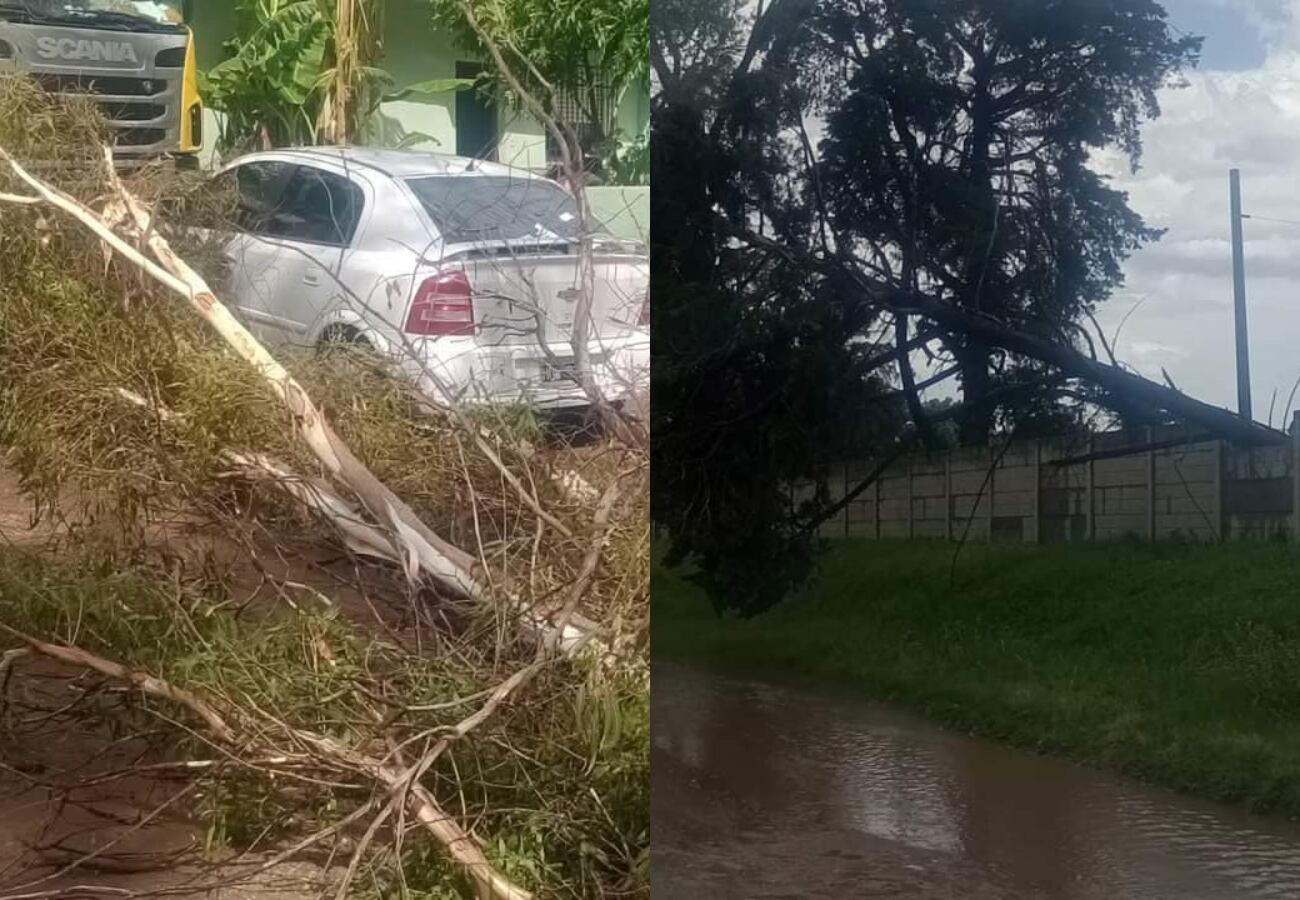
286,83
269,86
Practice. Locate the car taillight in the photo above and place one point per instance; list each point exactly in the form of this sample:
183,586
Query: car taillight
644,319
444,305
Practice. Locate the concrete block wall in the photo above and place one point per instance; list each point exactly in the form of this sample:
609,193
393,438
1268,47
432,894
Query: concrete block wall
1050,490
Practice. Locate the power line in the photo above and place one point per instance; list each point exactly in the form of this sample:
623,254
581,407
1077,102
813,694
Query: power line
1269,219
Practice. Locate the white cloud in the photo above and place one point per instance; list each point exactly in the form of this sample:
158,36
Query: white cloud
1265,15
1248,119
1156,349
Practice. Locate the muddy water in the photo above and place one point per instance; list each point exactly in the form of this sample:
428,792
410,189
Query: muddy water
770,792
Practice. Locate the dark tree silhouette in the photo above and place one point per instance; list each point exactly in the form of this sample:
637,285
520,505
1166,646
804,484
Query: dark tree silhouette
753,377
956,156
843,189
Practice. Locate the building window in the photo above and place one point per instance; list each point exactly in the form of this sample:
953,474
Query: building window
589,112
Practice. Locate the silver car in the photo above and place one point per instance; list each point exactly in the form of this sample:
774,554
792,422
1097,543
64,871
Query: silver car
463,271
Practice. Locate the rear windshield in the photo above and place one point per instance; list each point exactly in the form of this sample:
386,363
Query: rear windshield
468,208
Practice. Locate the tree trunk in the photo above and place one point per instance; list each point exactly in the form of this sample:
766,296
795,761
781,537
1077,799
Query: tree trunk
908,378
976,420
358,45
973,354
345,64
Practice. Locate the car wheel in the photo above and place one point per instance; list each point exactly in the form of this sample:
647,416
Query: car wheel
343,336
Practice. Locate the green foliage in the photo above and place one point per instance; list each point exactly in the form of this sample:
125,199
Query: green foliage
695,48
378,129
629,162
754,377
561,785
960,142
590,52
939,412
272,86
276,86
1175,662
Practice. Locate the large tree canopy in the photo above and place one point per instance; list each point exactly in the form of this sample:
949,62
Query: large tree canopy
956,157
578,58
856,200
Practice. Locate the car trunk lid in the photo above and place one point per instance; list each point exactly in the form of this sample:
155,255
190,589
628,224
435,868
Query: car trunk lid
517,238
523,295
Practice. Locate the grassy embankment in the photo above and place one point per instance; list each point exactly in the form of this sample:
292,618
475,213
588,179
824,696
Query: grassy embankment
1176,663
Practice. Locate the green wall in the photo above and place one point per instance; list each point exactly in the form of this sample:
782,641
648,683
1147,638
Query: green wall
213,22
624,211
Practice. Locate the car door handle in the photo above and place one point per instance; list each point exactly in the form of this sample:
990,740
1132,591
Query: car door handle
311,279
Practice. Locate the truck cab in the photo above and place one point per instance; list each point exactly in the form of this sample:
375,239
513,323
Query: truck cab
135,56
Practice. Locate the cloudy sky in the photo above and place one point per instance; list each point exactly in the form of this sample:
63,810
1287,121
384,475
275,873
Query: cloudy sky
1241,109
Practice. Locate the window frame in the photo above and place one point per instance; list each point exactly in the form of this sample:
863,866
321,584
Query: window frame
572,110
297,171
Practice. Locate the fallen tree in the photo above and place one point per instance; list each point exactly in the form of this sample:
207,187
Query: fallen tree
947,232
874,296
461,559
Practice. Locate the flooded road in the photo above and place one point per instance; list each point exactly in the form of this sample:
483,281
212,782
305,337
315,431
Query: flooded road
762,791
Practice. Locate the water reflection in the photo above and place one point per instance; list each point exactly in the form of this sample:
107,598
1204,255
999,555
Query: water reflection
765,791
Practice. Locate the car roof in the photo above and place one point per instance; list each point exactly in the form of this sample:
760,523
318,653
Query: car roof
395,163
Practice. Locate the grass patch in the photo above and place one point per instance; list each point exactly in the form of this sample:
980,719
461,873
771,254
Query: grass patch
1176,663
559,778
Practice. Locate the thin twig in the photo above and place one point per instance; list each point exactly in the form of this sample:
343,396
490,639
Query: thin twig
491,883
952,569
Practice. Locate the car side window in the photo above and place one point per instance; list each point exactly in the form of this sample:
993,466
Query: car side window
261,195
322,207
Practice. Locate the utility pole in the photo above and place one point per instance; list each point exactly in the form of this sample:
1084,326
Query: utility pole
1239,299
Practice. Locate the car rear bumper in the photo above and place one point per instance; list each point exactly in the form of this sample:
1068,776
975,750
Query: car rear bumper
525,373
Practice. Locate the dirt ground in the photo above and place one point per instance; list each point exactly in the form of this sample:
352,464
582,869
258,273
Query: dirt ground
65,793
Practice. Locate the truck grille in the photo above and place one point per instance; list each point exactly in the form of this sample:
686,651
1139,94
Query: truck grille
117,110
135,76
100,84
132,112
138,137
